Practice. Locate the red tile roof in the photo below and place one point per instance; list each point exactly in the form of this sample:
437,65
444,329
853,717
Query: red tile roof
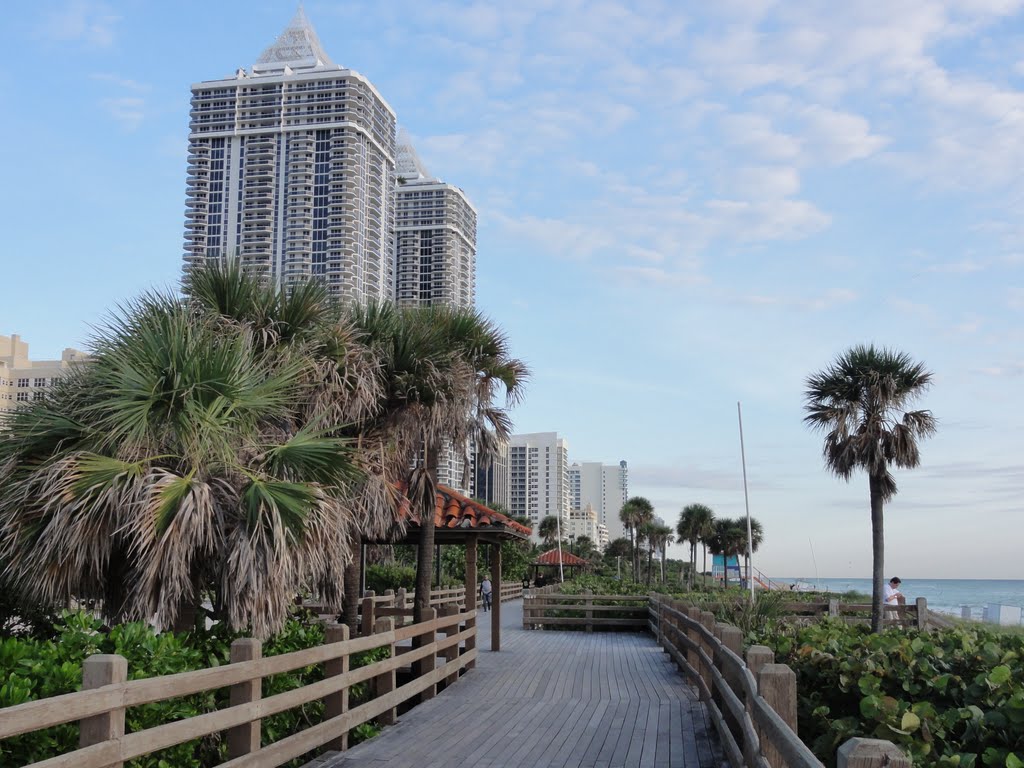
453,510
551,558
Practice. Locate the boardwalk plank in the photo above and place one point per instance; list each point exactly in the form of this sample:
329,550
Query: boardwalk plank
552,700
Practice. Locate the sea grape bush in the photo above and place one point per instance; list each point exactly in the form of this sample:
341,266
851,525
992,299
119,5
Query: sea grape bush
948,698
34,669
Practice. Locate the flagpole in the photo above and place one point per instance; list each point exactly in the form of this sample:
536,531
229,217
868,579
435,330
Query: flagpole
746,501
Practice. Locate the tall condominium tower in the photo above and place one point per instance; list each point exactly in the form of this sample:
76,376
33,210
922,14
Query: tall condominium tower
435,264
491,478
435,236
291,169
539,476
603,486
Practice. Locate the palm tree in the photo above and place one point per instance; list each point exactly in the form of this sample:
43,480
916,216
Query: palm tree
860,403
548,530
660,536
190,455
699,528
728,539
686,531
635,513
756,539
443,368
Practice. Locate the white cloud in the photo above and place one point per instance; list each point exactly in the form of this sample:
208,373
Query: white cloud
127,110
840,137
84,21
122,82
756,134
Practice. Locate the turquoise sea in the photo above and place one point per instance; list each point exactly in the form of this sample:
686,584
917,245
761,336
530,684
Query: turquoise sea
944,595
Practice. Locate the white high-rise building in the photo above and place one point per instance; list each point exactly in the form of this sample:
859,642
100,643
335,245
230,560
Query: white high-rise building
492,478
539,476
435,264
291,170
435,237
603,486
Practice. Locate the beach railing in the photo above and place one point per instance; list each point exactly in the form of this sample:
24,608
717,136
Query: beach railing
107,694
752,701
544,607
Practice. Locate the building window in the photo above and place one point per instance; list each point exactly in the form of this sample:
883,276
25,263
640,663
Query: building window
37,395
40,382
22,382
23,397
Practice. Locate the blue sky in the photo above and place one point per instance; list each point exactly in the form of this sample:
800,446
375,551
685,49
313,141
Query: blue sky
681,206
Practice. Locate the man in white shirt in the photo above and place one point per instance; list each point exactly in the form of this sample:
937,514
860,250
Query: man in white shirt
893,596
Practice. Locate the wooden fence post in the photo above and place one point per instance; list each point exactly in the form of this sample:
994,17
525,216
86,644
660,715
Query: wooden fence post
777,685
384,683
833,607
336,703
99,670
692,656
470,644
451,653
427,664
757,657
390,594
871,753
588,600
400,601
707,619
369,614
922,612
245,739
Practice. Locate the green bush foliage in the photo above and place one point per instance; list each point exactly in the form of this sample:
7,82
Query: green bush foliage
35,669
383,577
948,698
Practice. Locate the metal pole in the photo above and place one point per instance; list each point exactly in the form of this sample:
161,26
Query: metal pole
746,501
558,530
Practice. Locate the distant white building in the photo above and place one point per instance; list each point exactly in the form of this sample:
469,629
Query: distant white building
603,486
23,379
492,482
539,476
583,522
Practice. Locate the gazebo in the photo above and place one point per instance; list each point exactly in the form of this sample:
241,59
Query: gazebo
554,558
460,520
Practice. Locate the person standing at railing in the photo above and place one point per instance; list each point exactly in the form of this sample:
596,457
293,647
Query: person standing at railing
485,592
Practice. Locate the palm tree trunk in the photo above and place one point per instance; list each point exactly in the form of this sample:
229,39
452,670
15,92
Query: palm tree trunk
350,603
632,554
705,569
425,552
650,563
663,564
877,554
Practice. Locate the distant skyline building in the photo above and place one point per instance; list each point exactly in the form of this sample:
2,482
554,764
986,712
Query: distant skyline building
291,169
603,486
23,379
492,478
539,476
435,236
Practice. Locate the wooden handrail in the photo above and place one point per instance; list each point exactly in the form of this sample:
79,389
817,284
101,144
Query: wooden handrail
459,629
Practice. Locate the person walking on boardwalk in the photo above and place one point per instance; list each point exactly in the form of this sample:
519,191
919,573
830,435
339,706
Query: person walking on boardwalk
485,593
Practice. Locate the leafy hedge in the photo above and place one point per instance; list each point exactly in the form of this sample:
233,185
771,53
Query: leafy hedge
35,669
948,698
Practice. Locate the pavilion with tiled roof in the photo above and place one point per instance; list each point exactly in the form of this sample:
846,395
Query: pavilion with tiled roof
555,558
460,520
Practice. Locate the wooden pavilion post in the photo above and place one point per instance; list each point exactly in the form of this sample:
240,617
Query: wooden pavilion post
496,596
471,590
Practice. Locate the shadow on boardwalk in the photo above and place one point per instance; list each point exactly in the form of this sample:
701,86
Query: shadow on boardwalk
565,699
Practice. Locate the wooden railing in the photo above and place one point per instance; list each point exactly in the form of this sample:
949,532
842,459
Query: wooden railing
752,701
544,607
107,693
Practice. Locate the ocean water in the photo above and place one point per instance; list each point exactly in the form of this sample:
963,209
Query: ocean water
943,595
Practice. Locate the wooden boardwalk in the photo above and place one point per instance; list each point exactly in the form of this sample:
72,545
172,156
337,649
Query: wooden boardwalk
553,699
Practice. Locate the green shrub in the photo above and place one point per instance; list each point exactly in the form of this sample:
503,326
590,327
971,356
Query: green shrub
948,698
381,578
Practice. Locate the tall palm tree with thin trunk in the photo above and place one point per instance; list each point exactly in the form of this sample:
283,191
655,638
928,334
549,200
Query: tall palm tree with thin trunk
548,530
443,369
756,539
636,513
860,402
700,526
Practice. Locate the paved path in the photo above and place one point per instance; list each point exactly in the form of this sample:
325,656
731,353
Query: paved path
554,699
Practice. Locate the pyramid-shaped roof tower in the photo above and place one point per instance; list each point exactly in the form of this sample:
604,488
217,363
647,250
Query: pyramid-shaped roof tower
408,165
297,47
